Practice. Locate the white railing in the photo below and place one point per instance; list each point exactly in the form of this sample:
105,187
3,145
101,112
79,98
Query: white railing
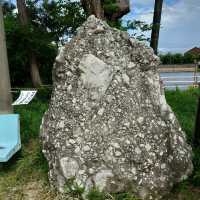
177,77
180,81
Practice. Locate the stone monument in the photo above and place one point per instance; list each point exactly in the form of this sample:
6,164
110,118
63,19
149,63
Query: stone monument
108,124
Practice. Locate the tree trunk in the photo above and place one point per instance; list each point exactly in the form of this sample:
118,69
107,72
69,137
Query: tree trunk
123,7
93,7
156,25
5,88
35,75
34,69
96,7
23,16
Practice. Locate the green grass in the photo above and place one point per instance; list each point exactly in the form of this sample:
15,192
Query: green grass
184,104
29,165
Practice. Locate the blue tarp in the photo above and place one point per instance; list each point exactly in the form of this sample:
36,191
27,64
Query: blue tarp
10,141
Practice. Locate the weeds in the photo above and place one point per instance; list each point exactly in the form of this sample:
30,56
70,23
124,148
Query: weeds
74,189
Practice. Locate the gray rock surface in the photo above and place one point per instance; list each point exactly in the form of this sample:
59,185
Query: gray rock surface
108,124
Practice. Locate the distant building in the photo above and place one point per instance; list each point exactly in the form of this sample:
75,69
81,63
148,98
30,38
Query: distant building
194,51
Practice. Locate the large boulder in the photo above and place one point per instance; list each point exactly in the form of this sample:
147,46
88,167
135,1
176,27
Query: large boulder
108,124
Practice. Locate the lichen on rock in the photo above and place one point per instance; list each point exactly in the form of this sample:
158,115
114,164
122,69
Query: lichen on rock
108,124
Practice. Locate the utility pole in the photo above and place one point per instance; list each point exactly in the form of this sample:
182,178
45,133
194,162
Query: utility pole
5,88
156,25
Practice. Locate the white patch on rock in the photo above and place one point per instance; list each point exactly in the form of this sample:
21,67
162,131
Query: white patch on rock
69,88
131,65
69,167
60,58
115,144
140,119
86,148
147,147
77,132
126,78
71,141
118,153
101,177
127,142
163,166
127,124
61,124
163,105
91,170
133,170
81,172
101,111
109,154
137,150
172,117
77,150
96,75
69,74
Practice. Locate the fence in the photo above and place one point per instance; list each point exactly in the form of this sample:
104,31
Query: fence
181,82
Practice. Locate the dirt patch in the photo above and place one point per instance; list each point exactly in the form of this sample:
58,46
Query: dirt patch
31,191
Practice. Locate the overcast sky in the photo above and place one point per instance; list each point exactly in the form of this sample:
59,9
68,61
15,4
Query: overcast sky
180,22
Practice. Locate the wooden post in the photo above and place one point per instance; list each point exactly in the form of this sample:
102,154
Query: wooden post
156,25
5,88
195,74
196,139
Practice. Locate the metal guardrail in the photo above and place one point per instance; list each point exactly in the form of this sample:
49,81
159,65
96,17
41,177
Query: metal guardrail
175,81
182,81
177,77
